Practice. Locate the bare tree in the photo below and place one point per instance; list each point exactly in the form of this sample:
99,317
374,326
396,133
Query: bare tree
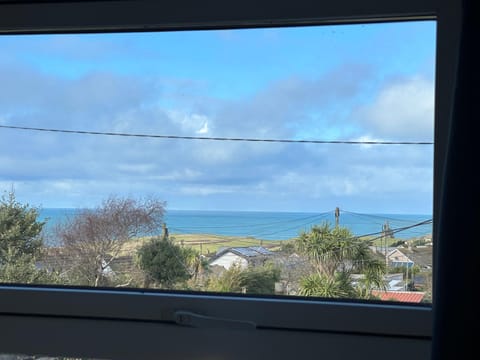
93,238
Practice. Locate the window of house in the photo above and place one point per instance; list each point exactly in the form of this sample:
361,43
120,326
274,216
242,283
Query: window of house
240,176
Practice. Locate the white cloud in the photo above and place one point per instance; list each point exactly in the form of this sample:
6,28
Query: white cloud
204,129
216,153
136,168
202,190
76,170
189,123
62,185
402,110
177,175
367,139
318,185
4,119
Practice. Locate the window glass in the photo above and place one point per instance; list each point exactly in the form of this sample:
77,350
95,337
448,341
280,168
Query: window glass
274,161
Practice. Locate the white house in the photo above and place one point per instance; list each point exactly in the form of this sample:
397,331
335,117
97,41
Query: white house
242,256
398,258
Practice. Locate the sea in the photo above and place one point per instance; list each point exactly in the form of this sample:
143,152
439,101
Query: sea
272,225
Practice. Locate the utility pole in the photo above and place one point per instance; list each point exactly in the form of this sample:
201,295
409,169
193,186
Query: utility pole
406,277
385,229
164,231
337,216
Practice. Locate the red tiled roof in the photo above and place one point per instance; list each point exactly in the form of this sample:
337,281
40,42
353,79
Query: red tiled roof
403,296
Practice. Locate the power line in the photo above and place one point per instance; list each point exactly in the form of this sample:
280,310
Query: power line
370,241
377,216
178,137
252,225
376,235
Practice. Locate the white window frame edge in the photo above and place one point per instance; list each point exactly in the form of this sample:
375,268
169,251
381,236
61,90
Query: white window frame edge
41,303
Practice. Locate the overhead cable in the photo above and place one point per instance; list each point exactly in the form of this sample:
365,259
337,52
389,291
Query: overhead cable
180,137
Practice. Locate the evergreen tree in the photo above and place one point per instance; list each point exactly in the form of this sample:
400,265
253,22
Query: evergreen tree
19,228
163,262
21,242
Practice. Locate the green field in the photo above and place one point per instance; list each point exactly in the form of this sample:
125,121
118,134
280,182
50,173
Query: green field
206,243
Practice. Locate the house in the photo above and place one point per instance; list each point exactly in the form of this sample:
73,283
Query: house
242,256
421,256
397,258
401,296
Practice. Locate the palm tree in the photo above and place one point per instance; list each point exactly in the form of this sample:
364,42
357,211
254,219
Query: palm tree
195,263
324,286
336,254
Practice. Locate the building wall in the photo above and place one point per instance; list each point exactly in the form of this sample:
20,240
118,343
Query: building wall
228,259
398,258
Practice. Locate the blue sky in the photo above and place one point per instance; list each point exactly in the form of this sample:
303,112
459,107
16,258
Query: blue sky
346,82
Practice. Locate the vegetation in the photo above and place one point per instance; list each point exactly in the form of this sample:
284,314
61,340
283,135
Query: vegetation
93,239
21,243
117,244
210,243
324,286
163,262
253,280
336,254
19,228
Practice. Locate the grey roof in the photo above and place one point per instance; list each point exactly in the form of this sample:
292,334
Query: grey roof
250,251
421,255
261,250
246,252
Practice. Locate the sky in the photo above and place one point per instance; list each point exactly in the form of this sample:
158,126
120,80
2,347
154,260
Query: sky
360,82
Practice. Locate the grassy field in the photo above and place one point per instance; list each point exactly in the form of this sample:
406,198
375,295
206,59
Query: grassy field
206,243
211,243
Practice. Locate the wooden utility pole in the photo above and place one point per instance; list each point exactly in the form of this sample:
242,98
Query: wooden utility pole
164,231
385,231
406,277
337,216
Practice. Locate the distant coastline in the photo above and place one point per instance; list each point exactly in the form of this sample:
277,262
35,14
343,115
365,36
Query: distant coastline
270,225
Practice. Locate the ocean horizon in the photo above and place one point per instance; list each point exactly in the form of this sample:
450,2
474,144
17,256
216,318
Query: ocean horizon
270,225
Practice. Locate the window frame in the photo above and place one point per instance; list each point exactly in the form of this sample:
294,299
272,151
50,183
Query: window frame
89,313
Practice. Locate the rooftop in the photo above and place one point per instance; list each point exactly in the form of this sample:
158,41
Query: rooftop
402,296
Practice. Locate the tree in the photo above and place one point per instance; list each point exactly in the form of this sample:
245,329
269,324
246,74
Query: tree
324,286
198,268
93,238
22,269
19,227
21,242
336,254
163,262
253,280
260,279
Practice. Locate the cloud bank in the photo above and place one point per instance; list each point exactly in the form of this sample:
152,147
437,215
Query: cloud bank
337,103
